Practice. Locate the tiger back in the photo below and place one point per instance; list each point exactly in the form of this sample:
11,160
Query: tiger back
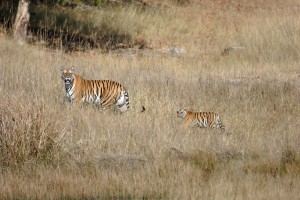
100,92
200,119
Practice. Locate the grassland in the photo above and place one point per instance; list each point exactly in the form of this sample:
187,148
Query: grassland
51,149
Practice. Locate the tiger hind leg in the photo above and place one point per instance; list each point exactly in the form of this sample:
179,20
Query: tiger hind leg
219,124
122,104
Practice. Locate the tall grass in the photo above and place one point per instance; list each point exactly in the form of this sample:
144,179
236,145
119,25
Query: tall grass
53,149
26,136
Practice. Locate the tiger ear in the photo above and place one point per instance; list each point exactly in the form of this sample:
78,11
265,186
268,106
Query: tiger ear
72,68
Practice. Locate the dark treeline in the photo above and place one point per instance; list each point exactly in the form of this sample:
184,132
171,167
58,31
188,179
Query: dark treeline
14,3
58,32
74,2
8,8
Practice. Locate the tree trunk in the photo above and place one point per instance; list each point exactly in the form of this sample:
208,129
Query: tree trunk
22,20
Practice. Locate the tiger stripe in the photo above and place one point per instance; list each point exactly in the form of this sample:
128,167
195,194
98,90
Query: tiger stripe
101,92
200,119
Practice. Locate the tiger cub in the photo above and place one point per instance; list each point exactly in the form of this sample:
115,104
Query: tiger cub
200,119
100,92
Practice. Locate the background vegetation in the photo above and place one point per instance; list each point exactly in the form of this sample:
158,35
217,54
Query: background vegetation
239,59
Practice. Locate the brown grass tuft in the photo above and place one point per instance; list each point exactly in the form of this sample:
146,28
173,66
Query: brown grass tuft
269,167
289,156
26,136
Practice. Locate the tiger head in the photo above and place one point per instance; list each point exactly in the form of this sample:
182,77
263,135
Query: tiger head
181,113
68,75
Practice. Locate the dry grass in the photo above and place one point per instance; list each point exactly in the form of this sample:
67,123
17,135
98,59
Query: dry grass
56,150
26,136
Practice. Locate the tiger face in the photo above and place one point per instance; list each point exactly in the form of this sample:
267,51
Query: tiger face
68,75
181,113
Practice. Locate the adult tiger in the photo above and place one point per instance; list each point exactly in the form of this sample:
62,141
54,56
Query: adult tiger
200,119
101,92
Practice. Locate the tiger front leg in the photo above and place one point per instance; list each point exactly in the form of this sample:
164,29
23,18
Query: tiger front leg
188,122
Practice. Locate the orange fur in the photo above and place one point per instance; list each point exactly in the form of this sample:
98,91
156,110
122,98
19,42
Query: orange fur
102,92
200,119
